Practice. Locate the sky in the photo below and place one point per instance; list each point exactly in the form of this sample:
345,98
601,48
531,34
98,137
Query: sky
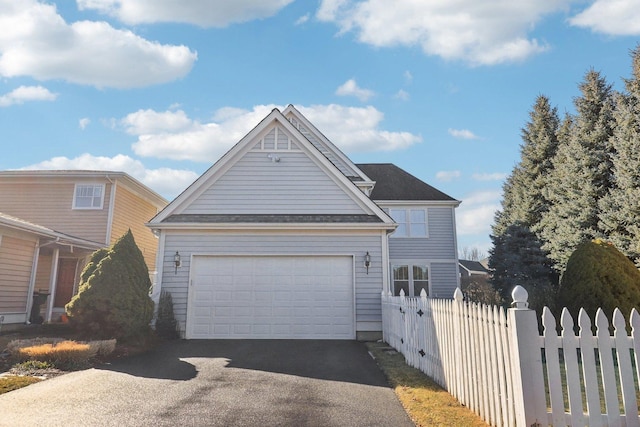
160,89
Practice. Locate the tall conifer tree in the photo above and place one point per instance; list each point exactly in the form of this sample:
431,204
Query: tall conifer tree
581,173
516,256
620,208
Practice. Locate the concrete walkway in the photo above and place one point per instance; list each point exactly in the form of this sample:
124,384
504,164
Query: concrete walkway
217,383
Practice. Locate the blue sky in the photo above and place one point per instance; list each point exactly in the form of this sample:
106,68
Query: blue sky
161,88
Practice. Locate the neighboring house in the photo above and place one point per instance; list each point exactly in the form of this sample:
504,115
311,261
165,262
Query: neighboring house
52,221
285,237
469,269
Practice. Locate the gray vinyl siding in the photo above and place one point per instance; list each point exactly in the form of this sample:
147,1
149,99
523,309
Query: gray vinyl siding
256,185
368,287
443,278
439,245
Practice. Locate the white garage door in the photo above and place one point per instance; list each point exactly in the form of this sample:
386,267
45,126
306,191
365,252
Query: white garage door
271,297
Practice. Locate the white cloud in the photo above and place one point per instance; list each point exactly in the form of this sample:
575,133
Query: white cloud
24,94
351,88
496,176
84,122
213,13
357,129
614,17
36,41
463,134
476,213
478,32
175,136
402,95
448,175
408,77
165,181
303,19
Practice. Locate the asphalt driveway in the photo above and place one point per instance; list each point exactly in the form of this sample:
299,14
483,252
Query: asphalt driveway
218,383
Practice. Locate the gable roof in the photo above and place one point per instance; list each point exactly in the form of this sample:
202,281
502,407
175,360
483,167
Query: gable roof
395,184
473,266
172,216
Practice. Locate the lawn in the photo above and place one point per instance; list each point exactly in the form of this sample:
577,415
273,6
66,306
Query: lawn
426,402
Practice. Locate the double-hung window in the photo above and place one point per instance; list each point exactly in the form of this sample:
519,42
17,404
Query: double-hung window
411,222
88,196
411,278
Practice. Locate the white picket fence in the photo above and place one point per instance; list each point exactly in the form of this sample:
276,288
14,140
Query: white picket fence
496,362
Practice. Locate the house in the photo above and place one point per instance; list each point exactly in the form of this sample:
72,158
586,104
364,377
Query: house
472,269
285,237
52,221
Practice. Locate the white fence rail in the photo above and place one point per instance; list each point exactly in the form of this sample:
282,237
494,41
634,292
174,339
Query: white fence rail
497,363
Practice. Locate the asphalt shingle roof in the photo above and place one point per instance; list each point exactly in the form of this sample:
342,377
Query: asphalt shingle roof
393,183
268,218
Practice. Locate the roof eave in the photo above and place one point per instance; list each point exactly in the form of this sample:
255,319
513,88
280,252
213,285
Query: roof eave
271,226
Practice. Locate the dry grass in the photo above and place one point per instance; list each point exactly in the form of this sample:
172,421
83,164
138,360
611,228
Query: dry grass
10,383
425,401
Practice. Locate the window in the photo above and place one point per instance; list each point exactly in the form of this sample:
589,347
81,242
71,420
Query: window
412,279
88,196
411,222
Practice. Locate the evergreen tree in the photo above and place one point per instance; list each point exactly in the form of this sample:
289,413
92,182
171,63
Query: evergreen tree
620,208
581,173
517,257
113,300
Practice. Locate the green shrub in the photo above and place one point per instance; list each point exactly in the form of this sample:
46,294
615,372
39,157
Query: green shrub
113,298
166,324
599,275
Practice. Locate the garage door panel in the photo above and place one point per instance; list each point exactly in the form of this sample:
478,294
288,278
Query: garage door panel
271,297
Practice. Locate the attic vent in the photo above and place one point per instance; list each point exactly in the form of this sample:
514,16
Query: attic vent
276,140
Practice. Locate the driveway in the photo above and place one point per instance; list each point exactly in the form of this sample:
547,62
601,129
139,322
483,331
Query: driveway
218,383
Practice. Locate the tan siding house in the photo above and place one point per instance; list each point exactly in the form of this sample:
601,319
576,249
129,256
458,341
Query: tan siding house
51,222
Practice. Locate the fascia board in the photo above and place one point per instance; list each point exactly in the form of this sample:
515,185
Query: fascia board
426,203
330,145
271,226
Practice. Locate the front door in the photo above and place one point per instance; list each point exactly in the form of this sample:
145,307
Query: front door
65,281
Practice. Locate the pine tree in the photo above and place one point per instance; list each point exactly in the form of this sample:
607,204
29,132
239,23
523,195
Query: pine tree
517,257
620,208
581,173
113,300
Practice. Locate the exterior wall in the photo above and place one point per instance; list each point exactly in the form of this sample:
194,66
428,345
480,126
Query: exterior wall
27,199
132,212
256,185
16,262
437,251
368,287
439,245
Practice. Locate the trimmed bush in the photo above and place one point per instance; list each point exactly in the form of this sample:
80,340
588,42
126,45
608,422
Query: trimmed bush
166,324
113,298
599,275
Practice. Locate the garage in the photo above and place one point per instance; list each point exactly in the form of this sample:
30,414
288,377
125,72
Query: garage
271,297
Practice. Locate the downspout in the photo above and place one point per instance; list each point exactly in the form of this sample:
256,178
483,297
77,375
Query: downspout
455,246
53,282
385,262
32,280
112,202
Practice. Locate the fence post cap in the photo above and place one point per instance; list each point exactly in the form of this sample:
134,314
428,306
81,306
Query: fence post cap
457,295
520,297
